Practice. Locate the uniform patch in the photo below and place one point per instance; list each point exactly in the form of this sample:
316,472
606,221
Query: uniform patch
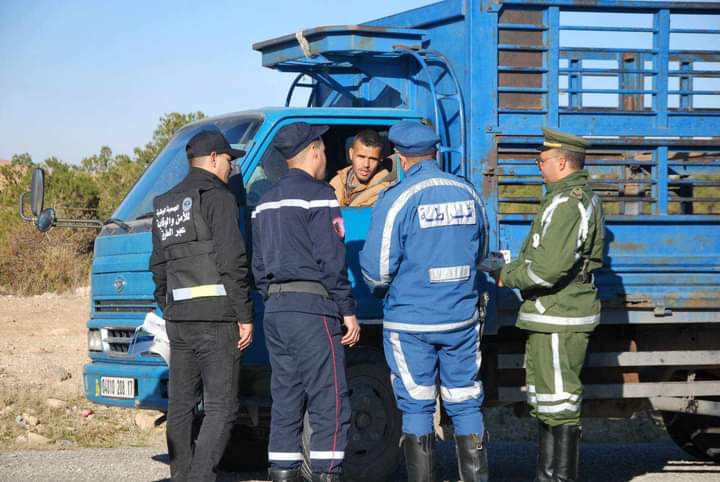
339,226
577,193
449,274
447,214
187,204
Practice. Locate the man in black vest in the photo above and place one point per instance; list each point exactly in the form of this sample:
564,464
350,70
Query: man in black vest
200,270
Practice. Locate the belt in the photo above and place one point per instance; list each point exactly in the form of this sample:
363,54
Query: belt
310,287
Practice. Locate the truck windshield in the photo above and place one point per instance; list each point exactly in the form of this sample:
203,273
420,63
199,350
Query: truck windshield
171,165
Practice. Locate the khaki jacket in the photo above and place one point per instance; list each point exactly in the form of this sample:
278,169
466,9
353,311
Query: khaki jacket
566,239
361,195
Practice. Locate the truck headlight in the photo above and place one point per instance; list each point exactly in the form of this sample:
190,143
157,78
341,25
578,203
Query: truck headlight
94,340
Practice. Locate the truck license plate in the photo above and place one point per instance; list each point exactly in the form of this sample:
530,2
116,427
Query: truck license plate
117,387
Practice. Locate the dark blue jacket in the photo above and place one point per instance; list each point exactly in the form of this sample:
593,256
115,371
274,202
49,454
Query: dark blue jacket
297,236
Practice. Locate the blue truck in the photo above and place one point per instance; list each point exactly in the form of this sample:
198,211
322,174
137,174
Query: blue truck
641,80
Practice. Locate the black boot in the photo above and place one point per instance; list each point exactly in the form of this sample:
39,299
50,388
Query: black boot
566,453
418,456
288,475
326,477
472,457
544,471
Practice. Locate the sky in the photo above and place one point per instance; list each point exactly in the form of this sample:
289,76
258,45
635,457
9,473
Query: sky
80,74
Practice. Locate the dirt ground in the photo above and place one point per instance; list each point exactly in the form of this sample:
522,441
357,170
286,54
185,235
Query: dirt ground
43,347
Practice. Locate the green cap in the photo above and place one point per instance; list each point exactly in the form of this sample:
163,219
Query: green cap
562,140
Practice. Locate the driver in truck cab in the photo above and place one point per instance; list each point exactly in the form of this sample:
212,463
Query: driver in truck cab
200,269
360,183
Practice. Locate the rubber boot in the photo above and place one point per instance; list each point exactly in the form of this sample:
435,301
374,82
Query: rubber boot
287,475
418,456
544,471
566,453
472,457
326,477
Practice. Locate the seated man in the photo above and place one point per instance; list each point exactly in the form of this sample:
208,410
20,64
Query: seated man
359,184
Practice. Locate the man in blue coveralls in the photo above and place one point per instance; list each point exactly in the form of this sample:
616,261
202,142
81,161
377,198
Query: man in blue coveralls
299,267
422,252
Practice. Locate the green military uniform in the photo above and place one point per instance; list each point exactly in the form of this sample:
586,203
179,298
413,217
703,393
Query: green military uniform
561,305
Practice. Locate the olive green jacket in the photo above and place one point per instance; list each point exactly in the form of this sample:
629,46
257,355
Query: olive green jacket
564,244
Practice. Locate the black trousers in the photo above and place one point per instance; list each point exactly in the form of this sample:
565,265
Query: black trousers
204,360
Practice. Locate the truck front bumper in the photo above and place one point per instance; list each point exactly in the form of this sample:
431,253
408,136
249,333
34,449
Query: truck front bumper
150,384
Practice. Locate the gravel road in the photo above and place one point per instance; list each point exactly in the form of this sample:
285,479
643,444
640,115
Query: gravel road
509,461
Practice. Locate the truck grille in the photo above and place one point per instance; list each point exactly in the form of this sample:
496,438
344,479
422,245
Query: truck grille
119,339
124,306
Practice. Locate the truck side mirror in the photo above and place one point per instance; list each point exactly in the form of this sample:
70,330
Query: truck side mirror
37,192
46,220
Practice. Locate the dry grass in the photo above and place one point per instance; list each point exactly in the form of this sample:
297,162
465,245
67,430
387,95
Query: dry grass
34,263
66,427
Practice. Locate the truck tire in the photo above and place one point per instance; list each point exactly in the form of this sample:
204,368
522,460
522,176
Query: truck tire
698,435
373,452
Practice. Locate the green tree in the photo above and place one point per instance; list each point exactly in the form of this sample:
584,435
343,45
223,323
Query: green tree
92,189
99,162
23,159
169,125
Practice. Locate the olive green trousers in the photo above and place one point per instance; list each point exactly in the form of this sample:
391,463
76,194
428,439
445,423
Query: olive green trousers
553,362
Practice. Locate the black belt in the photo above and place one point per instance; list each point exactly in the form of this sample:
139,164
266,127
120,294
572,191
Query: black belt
310,287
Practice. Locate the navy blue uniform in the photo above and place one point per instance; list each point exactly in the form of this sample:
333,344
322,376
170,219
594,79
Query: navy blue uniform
297,236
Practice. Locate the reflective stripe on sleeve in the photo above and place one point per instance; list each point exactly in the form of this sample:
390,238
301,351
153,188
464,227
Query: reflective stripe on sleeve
180,294
536,279
295,203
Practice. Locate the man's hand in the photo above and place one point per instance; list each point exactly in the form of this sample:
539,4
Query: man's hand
498,278
246,335
353,330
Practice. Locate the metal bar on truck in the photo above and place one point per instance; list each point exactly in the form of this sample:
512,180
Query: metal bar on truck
551,38
522,48
615,391
521,26
598,70
588,28
509,361
684,405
